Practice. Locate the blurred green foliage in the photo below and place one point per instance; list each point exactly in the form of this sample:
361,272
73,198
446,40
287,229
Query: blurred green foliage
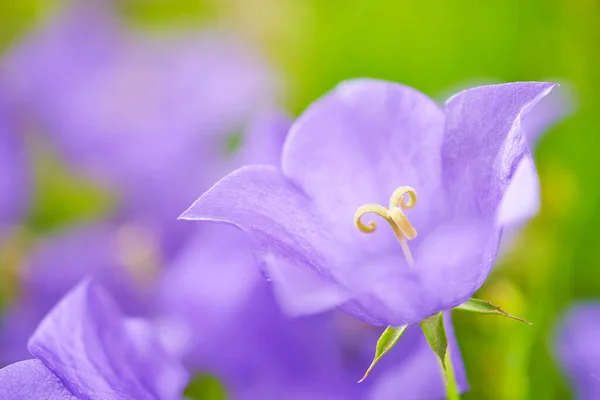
205,387
433,46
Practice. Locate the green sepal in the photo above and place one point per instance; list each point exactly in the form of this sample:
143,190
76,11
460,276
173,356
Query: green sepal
435,333
386,341
485,307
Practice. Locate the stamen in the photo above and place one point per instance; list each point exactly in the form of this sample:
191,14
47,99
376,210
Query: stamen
403,198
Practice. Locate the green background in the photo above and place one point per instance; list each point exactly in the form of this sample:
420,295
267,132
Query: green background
434,46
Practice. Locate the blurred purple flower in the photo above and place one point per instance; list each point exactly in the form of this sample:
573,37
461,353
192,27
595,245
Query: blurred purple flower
85,348
136,110
56,265
356,146
220,316
14,171
578,350
116,255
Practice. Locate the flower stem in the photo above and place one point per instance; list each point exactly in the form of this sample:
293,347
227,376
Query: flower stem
452,387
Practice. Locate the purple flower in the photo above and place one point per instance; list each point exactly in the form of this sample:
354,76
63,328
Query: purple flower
578,350
355,147
85,348
118,256
134,110
55,265
14,172
220,316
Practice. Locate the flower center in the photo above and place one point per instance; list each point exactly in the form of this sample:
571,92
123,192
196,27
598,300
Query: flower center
403,198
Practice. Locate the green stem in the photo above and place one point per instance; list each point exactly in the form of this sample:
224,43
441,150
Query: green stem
452,387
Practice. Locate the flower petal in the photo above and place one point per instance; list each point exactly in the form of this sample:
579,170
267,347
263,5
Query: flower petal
205,288
578,351
359,143
450,266
302,291
31,380
85,341
279,218
164,375
484,143
521,200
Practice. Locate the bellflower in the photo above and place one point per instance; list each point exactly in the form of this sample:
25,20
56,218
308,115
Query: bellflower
361,146
53,267
85,348
233,329
220,316
578,351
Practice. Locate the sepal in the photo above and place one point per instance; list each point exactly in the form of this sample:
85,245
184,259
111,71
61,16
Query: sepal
485,307
387,340
435,333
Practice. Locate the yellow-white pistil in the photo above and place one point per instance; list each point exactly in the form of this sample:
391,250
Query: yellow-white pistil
403,198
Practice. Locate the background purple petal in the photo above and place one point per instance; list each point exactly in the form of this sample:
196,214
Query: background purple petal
31,380
86,342
578,350
56,265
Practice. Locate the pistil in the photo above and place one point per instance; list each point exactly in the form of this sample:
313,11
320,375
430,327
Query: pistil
403,198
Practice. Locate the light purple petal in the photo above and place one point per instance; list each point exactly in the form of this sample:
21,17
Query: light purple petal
578,349
484,143
87,343
205,289
302,291
359,143
278,216
447,272
521,200
31,380
155,368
